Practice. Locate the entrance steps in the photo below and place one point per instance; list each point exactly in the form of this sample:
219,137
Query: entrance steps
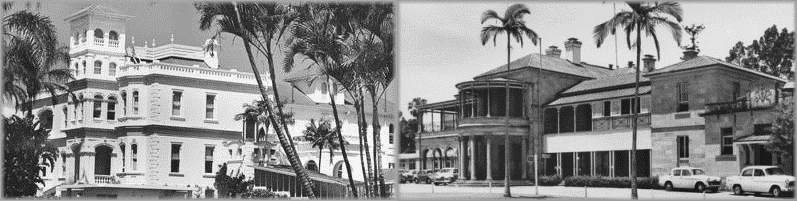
486,183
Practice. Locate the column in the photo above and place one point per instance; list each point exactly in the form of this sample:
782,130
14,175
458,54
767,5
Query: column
461,156
524,159
489,158
473,101
488,100
472,154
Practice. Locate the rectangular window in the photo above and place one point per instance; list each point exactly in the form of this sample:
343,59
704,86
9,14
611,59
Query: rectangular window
210,101
97,108
727,141
390,138
124,104
122,148
737,90
683,97
683,146
607,108
134,157
175,158
761,129
625,106
111,108
176,96
209,159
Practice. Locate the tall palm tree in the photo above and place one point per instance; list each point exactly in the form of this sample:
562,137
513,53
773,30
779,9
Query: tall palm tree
316,37
641,18
31,56
513,25
319,136
412,106
249,21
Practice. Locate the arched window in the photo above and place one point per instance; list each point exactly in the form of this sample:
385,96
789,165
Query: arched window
551,121
84,66
390,130
311,166
324,88
135,102
134,157
111,108
337,170
113,35
77,69
584,117
76,154
124,103
79,107
97,106
66,115
122,149
97,67
334,87
77,38
566,119
83,36
98,33
112,69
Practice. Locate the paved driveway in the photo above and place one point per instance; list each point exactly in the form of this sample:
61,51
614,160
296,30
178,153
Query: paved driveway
428,191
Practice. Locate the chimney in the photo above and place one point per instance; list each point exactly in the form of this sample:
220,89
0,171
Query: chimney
689,53
611,66
553,52
573,50
630,64
650,63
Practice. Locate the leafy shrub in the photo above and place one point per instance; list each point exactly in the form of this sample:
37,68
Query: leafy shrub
616,182
551,180
261,193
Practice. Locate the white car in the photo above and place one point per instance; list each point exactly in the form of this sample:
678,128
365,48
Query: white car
761,179
689,178
445,176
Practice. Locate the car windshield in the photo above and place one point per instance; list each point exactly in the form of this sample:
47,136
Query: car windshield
698,172
774,171
446,170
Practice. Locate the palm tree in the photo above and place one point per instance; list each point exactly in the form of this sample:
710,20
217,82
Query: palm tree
412,106
512,24
30,57
315,36
319,136
641,18
26,150
257,20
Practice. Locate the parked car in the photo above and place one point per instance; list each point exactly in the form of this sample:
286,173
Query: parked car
761,179
424,176
445,176
689,178
407,175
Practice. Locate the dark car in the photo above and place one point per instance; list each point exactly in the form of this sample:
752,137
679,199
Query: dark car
407,175
424,176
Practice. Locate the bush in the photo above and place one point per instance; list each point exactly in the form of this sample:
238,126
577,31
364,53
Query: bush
261,193
616,182
552,180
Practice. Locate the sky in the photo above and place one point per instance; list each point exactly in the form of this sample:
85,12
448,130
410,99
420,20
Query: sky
439,44
154,20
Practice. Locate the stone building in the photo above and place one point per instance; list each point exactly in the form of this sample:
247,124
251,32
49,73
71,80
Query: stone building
157,121
586,114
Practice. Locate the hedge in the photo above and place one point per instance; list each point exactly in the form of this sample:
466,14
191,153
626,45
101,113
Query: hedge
616,182
552,180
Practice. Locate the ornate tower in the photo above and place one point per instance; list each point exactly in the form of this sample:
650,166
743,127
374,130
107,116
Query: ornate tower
97,42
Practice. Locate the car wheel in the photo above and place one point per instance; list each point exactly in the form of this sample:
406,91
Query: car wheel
700,187
428,181
776,191
668,186
417,181
737,190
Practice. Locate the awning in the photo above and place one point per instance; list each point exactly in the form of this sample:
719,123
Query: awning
752,139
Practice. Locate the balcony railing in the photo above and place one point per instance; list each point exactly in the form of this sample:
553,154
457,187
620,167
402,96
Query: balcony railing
104,179
735,106
113,43
98,41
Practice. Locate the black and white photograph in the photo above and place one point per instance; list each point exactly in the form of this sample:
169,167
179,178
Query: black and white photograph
199,100
596,100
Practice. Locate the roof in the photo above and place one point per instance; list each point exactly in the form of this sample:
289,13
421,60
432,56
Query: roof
313,175
185,62
303,69
600,95
554,64
610,81
99,9
705,61
292,94
753,138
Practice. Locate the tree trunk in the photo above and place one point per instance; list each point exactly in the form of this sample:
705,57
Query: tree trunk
634,112
364,130
342,145
276,92
361,129
320,148
290,151
377,141
507,192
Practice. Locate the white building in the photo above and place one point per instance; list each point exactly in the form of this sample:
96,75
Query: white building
161,127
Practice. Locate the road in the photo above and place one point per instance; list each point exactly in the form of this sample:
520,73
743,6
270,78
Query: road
431,192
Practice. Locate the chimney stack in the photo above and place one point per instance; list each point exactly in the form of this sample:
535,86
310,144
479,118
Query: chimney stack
650,63
689,53
611,66
553,52
630,64
573,50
